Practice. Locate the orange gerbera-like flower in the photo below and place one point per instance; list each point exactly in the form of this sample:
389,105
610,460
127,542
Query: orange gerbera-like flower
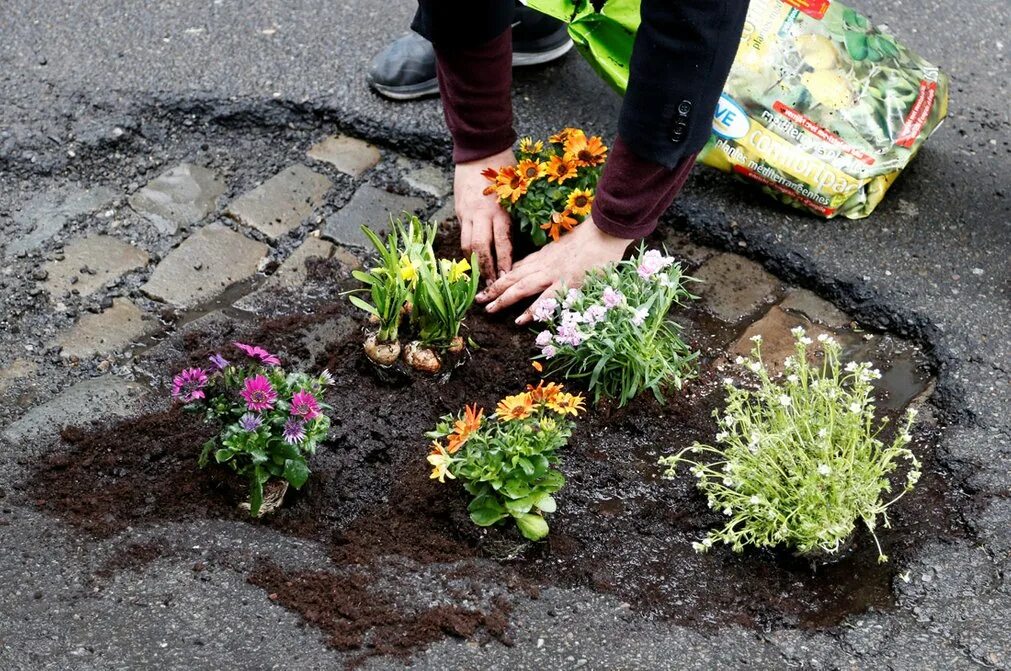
560,222
531,170
567,404
508,183
544,393
585,151
463,428
560,169
528,146
561,136
519,406
580,202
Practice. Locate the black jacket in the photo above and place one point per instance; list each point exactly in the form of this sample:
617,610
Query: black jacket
682,55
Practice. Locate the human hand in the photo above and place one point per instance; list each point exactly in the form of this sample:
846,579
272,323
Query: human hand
564,261
484,225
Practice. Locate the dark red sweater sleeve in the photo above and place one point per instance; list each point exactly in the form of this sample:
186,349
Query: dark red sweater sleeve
475,84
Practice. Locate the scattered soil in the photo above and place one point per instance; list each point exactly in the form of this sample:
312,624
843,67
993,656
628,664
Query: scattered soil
620,528
132,557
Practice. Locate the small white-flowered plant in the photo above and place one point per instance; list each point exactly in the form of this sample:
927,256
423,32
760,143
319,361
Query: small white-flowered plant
805,454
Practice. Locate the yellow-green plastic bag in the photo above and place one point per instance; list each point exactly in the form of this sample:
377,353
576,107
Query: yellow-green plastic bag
821,108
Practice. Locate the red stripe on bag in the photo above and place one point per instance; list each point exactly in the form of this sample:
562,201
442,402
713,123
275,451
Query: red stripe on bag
917,115
814,8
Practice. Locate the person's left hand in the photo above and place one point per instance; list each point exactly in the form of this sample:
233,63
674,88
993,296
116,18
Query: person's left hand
562,262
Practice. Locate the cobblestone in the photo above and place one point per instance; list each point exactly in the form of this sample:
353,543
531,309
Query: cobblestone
110,331
349,155
46,214
814,308
203,266
90,263
368,206
777,341
17,370
180,196
428,179
283,202
734,288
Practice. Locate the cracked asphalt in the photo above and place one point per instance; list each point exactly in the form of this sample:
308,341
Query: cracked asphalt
930,264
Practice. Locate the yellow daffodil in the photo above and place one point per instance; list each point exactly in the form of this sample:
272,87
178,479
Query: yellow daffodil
519,406
580,202
567,404
440,461
408,272
459,270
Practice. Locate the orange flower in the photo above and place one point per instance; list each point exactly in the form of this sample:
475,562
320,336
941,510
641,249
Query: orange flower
519,406
585,152
509,185
574,137
531,170
542,393
463,428
562,135
560,169
560,221
566,404
538,366
580,202
528,146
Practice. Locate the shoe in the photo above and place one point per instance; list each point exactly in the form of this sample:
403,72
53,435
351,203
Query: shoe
405,69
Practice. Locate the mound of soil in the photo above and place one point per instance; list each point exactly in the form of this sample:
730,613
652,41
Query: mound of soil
619,529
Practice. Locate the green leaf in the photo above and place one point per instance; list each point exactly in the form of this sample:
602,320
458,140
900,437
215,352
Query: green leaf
516,488
223,455
532,526
255,496
487,516
296,472
357,302
546,504
520,506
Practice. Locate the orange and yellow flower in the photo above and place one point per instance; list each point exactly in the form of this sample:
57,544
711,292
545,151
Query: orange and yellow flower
528,146
560,169
567,404
515,407
561,136
580,202
544,393
531,170
508,184
464,427
585,151
440,461
560,222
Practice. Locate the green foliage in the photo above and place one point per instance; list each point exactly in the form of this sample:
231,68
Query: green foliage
800,460
385,284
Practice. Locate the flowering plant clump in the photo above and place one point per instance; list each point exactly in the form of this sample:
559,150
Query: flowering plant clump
550,190
272,420
506,461
614,332
799,460
410,280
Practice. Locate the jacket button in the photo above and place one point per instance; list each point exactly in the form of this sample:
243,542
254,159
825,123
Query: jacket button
678,131
685,107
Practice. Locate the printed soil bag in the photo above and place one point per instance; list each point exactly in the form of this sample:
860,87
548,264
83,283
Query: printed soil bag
821,108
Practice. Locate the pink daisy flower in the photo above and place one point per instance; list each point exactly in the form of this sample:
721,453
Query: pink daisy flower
259,353
188,385
304,404
259,394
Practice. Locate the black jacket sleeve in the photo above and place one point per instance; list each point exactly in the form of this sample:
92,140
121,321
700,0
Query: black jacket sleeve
682,55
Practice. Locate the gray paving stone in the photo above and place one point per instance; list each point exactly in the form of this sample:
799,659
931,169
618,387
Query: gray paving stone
429,179
180,196
46,214
349,155
446,211
204,265
814,308
292,273
283,202
681,246
95,398
90,263
107,332
17,370
777,341
371,207
734,287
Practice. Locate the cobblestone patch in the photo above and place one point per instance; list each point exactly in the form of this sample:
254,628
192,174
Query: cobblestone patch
428,179
283,202
45,215
110,331
814,308
446,211
734,288
180,196
349,155
368,206
88,264
17,370
777,341
203,266
106,396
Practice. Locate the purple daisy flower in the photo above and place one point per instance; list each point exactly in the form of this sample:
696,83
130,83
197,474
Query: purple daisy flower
259,353
218,361
250,422
304,404
294,431
259,394
188,385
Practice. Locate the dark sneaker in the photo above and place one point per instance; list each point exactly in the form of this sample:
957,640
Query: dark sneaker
405,69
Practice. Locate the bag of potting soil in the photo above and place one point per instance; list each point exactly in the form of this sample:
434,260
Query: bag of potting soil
821,108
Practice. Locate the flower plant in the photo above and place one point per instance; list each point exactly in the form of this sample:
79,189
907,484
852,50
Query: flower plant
800,459
551,188
411,280
507,461
614,331
271,420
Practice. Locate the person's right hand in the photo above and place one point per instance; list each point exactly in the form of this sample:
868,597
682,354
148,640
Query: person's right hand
484,225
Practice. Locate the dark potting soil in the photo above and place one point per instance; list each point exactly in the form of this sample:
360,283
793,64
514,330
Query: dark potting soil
620,528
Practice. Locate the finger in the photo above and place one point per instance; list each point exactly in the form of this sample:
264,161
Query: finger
528,314
501,284
503,245
466,239
481,239
527,286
